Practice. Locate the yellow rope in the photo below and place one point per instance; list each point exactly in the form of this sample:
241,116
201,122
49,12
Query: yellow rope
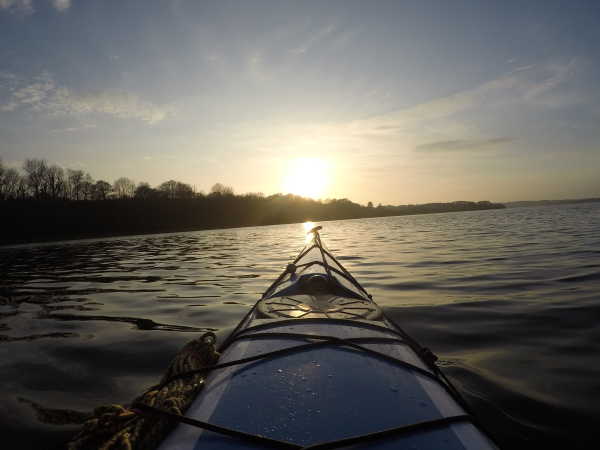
116,427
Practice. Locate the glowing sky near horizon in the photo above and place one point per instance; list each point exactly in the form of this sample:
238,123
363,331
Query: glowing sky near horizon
394,102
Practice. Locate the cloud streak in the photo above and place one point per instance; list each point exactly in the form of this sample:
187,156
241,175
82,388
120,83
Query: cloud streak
26,6
531,86
20,6
462,144
119,104
458,123
314,39
42,94
61,5
452,123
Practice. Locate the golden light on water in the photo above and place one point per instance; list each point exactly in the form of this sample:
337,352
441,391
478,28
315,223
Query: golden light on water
307,177
307,226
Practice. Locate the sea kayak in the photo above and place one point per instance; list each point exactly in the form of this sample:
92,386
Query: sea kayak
317,364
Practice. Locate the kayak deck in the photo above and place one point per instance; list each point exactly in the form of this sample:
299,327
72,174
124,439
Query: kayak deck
334,368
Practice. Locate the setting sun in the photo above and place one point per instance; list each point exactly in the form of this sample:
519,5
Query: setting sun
307,177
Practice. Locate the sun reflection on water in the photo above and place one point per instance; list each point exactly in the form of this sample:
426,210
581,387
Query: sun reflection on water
307,226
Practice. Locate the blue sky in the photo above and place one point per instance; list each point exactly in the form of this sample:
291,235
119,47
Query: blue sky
401,101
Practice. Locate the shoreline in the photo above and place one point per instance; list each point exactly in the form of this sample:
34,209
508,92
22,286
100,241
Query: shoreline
92,235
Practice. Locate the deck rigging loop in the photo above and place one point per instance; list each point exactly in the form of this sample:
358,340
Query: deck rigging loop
334,270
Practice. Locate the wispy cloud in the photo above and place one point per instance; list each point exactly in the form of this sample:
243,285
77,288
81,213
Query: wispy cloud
26,6
279,53
433,111
115,103
525,85
42,94
73,129
522,68
61,5
459,122
256,67
33,93
462,144
21,93
451,122
10,106
313,39
547,90
20,6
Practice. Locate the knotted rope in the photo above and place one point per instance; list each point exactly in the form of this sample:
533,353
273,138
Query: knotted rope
117,427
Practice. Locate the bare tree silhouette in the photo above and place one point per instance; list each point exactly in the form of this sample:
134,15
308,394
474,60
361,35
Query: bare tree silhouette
221,189
124,188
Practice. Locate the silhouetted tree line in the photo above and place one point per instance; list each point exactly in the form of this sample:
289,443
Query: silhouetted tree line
40,181
48,202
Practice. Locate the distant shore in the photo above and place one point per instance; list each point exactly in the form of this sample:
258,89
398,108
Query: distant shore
526,203
37,221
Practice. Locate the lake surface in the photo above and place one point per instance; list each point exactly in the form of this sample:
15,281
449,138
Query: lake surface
508,299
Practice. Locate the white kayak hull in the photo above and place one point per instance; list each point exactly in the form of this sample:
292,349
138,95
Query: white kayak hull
325,392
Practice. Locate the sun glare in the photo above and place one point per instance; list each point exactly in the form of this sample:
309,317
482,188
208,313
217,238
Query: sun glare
307,177
308,226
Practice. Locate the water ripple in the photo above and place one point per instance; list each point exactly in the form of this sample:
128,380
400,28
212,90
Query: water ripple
507,298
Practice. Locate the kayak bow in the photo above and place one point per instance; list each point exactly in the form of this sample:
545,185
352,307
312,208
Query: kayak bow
317,364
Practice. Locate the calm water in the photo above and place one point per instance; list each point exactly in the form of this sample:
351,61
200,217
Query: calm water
508,299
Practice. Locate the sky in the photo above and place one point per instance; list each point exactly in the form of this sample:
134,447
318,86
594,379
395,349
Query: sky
393,102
